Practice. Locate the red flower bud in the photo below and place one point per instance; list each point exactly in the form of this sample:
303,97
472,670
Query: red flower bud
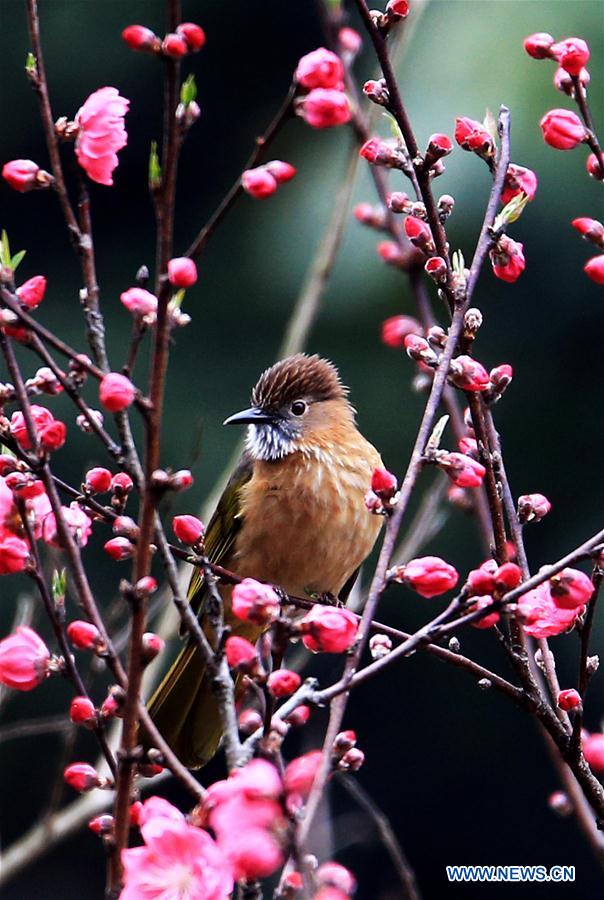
380,153
181,480
329,630
468,374
240,653
532,508
111,707
571,54
102,824
436,268
592,164
255,602
473,136
419,233
507,259
152,646
590,229
500,378
562,129
398,8
377,91
121,484
396,328
352,760
350,41
569,699
300,773
82,711
593,751
281,171
146,585
419,349
82,777
344,741
25,175
32,291
193,34
430,576
98,480
249,721
325,108
53,435
299,716
518,180
258,182
283,682
507,577
188,529
24,659
182,272
594,269
539,45
116,392
175,46
384,484
462,470
334,875
119,548
83,635
391,254
571,588
489,620
320,69
137,37
564,83
439,145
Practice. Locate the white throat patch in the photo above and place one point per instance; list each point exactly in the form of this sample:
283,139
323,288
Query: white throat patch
268,442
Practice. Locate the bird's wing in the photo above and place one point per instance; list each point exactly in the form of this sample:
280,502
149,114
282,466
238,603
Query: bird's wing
222,529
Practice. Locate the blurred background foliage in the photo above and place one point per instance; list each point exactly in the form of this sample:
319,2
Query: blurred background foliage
463,776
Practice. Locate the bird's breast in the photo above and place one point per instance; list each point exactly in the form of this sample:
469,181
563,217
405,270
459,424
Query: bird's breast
305,525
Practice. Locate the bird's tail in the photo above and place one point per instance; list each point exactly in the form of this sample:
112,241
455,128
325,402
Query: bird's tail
185,710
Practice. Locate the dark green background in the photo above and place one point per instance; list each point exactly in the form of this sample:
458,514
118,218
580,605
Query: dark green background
463,776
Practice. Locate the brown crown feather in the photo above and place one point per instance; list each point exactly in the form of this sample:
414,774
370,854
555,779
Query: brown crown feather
296,377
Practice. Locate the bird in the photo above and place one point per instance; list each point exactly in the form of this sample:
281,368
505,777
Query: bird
292,515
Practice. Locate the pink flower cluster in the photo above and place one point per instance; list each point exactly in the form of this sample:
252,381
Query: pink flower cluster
321,75
264,180
188,38
553,607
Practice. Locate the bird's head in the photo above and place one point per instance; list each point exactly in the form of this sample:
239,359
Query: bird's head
297,405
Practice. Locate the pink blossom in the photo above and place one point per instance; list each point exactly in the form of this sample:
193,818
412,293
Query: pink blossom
258,183
461,469
138,300
594,269
540,615
571,54
24,659
177,862
253,853
82,777
255,602
329,630
320,69
569,699
283,682
188,529
116,392
507,259
384,483
593,751
18,429
78,523
518,180
335,875
325,108
240,652
300,773
539,45
532,508
468,374
14,552
430,576
101,134
562,129
489,620
571,588
472,135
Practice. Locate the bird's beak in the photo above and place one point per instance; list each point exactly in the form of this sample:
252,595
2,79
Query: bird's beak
253,416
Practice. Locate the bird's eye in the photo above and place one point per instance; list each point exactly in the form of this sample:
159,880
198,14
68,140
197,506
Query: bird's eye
298,407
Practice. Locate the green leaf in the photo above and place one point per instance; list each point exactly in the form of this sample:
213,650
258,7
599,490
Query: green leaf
17,258
31,64
154,167
4,250
188,90
177,299
394,129
512,211
458,263
59,584
437,433
490,123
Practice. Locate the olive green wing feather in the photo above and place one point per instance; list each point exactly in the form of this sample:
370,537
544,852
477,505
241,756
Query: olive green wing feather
222,529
